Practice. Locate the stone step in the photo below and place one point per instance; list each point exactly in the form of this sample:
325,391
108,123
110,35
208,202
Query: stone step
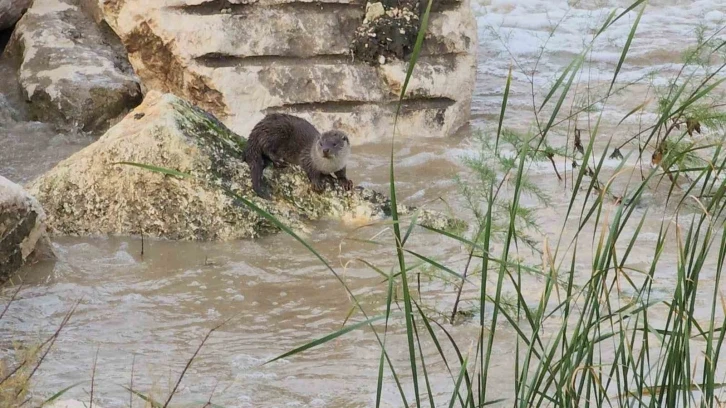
275,82
300,29
370,122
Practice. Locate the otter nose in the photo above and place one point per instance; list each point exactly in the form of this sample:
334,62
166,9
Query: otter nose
326,151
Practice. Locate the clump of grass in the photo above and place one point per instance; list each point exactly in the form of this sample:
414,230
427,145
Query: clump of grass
598,332
16,379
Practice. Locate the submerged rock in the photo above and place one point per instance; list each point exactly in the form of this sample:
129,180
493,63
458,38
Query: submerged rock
11,11
91,193
23,237
241,59
71,71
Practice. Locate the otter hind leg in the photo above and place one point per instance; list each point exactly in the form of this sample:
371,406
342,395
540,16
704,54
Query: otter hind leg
277,160
257,167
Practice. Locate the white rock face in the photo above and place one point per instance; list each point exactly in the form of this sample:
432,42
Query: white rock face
240,59
11,11
23,237
70,70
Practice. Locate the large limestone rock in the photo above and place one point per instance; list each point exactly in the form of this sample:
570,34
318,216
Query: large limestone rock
11,11
90,193
240,59
71,71
23,237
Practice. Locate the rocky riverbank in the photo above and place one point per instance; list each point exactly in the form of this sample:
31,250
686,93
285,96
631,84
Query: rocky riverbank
179,84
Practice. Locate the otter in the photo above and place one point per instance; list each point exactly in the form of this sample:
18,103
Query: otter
281,139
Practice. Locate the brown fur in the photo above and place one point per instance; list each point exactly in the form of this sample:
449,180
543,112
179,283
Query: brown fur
283,139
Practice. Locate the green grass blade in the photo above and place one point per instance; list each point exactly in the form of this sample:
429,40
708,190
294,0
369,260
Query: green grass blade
379,386
610,21
394,206
410,227
557,84
327,338
458,381
429,393
504,108
626,48
632,112
436,264
60,393
169,172
153,403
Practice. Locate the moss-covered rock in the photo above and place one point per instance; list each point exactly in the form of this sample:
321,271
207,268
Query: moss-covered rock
91,193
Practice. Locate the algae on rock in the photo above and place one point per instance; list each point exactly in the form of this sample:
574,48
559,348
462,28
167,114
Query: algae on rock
92,193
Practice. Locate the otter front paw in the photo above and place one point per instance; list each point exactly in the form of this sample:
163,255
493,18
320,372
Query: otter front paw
318,185
347,184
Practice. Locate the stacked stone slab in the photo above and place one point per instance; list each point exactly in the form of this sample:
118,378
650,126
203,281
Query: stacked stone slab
241,59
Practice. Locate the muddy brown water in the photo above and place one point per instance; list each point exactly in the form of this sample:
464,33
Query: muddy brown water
146,314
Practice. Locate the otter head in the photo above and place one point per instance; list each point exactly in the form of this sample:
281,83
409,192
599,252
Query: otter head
331,151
